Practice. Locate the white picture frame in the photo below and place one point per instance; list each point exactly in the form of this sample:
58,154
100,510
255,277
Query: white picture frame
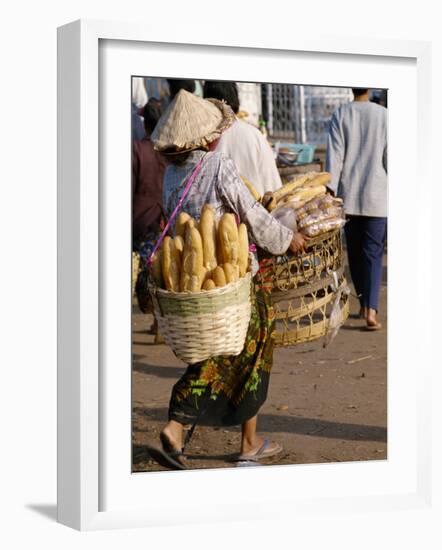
82,399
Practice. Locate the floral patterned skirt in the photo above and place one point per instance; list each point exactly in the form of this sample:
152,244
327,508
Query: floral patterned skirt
227,391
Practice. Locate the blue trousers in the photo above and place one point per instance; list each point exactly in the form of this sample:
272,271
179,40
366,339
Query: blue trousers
365,237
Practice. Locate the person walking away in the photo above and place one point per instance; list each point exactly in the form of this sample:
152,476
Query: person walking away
357,160
148,168
223,390
244,143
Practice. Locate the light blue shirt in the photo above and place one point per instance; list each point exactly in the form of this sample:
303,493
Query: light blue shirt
357,158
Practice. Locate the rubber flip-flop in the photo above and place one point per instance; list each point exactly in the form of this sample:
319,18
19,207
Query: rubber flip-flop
263,452
171,450
164,458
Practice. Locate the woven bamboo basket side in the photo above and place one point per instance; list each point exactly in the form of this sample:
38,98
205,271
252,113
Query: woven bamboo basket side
309,333
187,304
197,338
204,324
322,254
304,315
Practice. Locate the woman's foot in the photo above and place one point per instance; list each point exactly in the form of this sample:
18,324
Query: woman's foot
172,440
263,448
170,454
372,323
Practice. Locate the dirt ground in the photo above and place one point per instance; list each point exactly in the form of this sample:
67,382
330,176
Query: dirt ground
324,405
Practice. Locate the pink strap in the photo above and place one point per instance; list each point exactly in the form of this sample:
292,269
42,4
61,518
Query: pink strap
192,177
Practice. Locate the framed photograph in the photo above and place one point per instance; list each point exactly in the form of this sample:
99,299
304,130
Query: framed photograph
342,415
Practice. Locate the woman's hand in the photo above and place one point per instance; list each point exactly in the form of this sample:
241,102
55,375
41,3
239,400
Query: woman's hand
297,244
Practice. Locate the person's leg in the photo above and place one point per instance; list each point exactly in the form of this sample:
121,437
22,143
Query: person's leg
173,434
251,443
373,249
353,236
249,439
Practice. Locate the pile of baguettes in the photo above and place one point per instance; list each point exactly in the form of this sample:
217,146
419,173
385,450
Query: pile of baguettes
203,255
315,211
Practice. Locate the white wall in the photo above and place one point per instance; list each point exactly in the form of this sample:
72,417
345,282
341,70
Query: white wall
28,277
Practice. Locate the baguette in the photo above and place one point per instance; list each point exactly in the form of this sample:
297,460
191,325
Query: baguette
243,253
219,276
194,283
321,178
288,188
179,245
228,237
170,265
180,225
230,272
192,265
252,190
208,235
309,193
209,284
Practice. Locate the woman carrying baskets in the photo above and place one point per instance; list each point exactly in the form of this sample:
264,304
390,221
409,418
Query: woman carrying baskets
222,390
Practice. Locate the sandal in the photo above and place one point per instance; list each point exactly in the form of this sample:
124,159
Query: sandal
167,456
268,448
166,459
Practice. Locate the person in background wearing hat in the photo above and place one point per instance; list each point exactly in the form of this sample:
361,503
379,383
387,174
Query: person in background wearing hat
177,84
357,161
220,391
244,143
148,168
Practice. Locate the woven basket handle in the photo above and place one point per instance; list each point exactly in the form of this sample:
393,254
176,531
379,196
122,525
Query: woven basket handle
177,208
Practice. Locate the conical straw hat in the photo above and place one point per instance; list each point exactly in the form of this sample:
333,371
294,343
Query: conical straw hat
191,122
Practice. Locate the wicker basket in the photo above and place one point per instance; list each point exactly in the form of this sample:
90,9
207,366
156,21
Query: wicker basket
305,288
204,324
322,254
302,314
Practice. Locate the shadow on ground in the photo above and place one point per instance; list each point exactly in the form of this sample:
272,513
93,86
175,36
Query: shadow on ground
158,370
275,423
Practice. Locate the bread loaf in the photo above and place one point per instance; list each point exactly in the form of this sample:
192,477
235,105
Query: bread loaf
180,225
208,235
230,272
251,189
194,283
228,237
170,262
209,284
288,188
192,264
322,178
219,276
309,193
179,245
243,252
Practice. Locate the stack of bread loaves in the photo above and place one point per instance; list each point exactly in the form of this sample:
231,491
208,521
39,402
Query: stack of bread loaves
202,256
315,211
